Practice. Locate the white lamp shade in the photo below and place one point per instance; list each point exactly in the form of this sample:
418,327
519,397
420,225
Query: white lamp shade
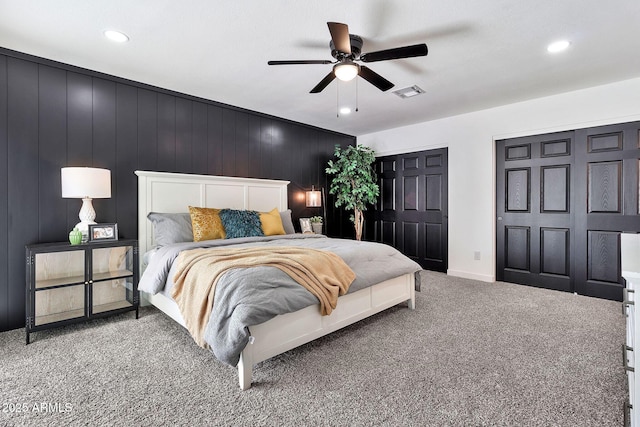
313,199
79,183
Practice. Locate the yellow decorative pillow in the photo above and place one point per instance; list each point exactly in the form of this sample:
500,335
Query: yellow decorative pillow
271,222
206,224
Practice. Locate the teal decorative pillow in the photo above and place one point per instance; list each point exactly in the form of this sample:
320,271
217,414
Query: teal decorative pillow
241,223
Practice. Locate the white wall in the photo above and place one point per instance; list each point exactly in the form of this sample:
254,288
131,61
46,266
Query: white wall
471,142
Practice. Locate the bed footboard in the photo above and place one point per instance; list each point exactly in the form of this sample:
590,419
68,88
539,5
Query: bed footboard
288,331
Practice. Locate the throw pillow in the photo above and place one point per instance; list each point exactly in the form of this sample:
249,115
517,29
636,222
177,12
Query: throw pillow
206,223
240,223
271,223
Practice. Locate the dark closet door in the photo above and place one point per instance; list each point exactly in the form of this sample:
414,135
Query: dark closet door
534,221
562,201
412,212
607,179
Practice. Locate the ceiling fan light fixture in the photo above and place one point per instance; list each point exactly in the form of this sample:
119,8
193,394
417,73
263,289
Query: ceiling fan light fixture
346,71
346,48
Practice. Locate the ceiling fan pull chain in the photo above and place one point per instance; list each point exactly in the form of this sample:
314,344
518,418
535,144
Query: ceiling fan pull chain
356,94
338,99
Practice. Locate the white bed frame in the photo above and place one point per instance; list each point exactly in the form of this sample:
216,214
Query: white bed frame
172,192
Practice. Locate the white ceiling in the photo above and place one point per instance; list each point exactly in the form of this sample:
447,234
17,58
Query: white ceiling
481,53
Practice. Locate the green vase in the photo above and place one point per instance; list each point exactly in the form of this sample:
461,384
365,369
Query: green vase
75,236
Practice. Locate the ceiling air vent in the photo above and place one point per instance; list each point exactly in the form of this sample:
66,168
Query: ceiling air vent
408,92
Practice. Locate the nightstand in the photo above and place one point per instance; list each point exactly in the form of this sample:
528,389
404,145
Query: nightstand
75,283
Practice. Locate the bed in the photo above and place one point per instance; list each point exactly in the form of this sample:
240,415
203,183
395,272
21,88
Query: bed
173,193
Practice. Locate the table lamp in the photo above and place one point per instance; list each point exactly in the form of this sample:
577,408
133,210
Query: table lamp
315,199
86,184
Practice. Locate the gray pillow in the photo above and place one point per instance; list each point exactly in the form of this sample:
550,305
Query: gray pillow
169,228
287,223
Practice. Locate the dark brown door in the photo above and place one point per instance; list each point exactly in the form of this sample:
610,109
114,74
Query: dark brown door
534,221
562,201
412,212
607,179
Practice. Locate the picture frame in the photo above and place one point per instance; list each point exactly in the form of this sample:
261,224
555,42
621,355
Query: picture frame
101,232
305,225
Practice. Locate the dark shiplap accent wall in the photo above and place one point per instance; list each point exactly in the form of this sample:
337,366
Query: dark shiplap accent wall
54,115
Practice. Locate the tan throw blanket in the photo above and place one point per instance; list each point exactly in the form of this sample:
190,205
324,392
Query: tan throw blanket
322,273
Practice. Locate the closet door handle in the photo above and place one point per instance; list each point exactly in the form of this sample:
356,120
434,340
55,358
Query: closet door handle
625,363
625,294
627,413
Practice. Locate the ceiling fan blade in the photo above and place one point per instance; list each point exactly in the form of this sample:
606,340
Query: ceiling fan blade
375,79
340,36
396,53
295,62
323,83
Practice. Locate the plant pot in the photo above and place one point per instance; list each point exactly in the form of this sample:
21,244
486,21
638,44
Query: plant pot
317,227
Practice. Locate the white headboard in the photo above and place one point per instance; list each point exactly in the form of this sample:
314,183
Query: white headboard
175,192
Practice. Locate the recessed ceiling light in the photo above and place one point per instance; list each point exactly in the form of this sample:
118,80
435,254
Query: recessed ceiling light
345,110
558,46
116,36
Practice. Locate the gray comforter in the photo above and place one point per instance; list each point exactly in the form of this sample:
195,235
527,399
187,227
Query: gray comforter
245,297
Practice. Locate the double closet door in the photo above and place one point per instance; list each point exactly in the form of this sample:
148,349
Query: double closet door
562,201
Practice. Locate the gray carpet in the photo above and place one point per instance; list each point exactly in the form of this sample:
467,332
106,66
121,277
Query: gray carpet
471,354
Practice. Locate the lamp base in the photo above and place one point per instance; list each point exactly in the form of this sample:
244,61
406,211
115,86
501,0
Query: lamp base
87,215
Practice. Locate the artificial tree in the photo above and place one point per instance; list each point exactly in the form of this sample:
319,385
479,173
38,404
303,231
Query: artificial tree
354,183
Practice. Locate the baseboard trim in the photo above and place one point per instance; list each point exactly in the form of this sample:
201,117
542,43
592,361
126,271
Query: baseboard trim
474,276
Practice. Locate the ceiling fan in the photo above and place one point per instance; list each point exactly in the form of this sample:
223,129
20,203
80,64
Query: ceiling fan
346,49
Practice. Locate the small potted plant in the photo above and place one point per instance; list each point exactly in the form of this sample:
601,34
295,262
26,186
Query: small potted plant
316,224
